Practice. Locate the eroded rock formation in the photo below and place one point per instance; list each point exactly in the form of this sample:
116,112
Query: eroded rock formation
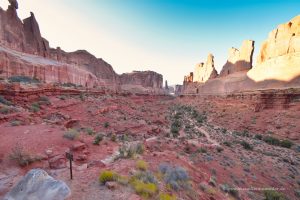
25,52
279,57
143,78
204,72
239,60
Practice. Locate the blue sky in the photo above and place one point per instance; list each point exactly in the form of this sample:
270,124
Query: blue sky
167,36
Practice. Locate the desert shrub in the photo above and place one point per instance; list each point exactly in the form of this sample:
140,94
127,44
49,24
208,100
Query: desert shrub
273,195
35,107
106,125
246,145
15,123
5,101
113,137
145,176
141,165
201,118
201,150
258,137
89,131
271,140
175,127
140,148
4,110
286,143
22,157
107,175
176,177
44,100
123,180
224,130
98,138
165,196
129,150
145,190
22,79
71,134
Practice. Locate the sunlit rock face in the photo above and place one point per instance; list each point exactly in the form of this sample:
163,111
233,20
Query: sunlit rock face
239,60
205,71
279,57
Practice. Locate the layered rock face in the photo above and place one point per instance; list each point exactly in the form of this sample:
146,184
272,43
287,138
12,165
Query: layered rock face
279,57
278,65
147,79
239,60
25,52
204,72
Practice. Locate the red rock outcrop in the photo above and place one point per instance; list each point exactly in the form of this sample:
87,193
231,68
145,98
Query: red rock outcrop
239,60
204,72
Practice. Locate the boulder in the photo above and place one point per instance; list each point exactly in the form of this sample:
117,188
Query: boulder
37,184
239,60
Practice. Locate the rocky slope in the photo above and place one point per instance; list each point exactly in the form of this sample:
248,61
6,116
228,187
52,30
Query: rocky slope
25,52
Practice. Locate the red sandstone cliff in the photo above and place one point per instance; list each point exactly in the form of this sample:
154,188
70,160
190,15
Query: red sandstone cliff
23,51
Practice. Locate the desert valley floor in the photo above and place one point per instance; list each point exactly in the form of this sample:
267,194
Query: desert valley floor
219,143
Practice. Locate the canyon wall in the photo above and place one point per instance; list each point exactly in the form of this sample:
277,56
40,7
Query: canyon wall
277,67
142,81
25,52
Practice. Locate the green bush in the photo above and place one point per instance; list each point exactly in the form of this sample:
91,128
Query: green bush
5,101
246,145
271,140
89,131
286,143
71,134
273,195
258,137
22,79
98,139
106,125
35,107
107,175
